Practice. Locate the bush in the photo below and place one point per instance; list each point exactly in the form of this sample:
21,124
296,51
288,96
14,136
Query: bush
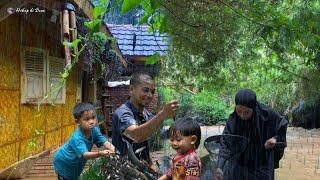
206,104
212,107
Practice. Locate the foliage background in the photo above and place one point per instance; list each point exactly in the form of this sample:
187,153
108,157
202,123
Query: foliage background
219,47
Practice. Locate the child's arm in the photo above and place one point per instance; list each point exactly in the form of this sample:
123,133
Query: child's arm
102,140
93,155
163,177
167,175
109,146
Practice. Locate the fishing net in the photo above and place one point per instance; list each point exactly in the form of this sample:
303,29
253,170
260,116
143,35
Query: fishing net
234,144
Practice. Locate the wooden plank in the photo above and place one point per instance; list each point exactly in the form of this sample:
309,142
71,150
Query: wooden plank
21,168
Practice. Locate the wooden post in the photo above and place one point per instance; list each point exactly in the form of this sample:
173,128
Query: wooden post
73,31
85,82
66,29
66,35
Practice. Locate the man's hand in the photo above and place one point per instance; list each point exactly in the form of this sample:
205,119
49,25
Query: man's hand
219,174
170,109
270,143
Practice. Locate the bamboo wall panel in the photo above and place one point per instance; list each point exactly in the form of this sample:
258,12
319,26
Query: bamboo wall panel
28,148
9,34
10,75
9,113
66,132
9,154
67,117
31,119
53,117
53,139
72,82
9,56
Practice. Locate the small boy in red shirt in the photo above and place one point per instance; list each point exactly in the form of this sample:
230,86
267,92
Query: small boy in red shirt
185,135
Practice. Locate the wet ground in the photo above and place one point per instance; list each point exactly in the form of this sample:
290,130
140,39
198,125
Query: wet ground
301,160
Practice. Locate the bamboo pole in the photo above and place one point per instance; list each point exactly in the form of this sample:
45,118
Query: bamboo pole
73,31
66,35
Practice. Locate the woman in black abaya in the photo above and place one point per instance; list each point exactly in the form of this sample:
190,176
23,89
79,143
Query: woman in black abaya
263,128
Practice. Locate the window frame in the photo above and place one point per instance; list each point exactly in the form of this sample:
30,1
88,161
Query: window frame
44,97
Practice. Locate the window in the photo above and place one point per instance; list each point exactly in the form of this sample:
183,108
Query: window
56,88
40,77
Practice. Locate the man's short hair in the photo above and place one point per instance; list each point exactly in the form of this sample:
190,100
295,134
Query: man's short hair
136,78
187,126
80,108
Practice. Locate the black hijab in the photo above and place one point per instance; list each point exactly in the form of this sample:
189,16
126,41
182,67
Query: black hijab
250,128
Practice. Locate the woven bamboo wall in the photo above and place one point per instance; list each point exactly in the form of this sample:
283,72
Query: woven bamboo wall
19,123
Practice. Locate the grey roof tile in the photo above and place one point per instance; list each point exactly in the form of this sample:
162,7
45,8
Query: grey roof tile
146,43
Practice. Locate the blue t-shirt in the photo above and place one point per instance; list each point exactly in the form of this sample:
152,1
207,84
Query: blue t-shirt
68,160
127,115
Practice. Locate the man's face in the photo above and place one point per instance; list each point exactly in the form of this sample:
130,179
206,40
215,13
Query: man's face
142,93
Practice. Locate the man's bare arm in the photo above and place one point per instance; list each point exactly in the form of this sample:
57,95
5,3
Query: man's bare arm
140,133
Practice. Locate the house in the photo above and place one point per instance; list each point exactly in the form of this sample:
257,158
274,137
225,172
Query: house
136,44
31,59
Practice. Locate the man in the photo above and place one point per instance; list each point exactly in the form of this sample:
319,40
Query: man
132,122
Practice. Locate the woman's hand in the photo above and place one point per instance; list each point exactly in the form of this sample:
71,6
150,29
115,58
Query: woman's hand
270,143
219,174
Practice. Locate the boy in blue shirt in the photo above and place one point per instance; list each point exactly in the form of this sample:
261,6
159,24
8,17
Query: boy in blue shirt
71,158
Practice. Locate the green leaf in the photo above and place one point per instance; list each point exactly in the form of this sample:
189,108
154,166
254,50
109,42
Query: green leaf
144,19
155,4
45,97
153,59
98,12
93,25
129,5
72,44
75,43
65,74
104,1
68,44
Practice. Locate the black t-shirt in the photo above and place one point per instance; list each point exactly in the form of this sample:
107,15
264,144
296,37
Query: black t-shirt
127,115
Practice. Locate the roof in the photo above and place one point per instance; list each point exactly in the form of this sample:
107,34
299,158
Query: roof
146,44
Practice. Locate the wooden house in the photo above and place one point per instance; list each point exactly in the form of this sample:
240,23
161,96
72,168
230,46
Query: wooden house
32,57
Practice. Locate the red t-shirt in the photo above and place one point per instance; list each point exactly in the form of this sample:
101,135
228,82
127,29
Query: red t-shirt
185,167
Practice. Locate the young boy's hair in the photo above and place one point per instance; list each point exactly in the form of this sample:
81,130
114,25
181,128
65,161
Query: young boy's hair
187,126
80,108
